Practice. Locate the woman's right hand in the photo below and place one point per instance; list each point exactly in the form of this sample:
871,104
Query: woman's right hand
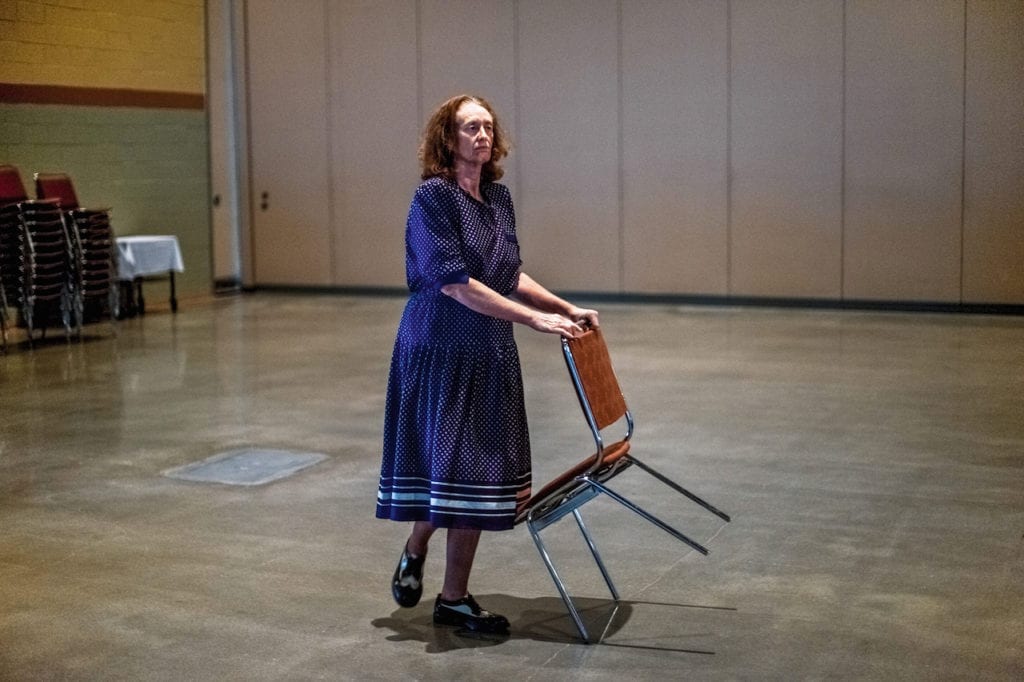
553,323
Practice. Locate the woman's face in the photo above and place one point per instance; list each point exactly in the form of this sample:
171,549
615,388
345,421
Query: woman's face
476,134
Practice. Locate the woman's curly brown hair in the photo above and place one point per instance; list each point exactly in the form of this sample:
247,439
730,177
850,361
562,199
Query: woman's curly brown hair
440,140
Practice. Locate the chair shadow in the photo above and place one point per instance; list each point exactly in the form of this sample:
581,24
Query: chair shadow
542,619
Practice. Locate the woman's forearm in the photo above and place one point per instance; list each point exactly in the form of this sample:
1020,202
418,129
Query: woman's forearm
480,298
530,292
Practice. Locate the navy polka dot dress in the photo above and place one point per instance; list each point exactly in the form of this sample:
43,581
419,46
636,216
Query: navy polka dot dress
456,445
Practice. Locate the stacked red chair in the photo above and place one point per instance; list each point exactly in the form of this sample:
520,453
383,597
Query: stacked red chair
95,252
36,258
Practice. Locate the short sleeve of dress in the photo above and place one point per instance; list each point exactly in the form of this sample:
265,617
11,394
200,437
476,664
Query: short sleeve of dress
433,243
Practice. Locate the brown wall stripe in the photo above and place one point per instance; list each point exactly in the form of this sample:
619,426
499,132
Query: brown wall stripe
22,93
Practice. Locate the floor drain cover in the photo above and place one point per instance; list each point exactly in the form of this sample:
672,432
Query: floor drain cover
246,467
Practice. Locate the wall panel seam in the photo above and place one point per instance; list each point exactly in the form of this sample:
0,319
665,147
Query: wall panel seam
963,156
517,167
728,147
329,151
418,18
842,165
620,142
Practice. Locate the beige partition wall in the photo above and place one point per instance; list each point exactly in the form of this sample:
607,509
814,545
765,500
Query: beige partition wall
786,148
569,143
291,227
479,62
994,153
374,128
854,150
904,149
674,103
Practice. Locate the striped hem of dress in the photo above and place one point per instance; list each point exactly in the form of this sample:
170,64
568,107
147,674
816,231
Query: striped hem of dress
450,504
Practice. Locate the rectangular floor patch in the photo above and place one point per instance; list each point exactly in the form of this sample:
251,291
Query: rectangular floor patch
249,466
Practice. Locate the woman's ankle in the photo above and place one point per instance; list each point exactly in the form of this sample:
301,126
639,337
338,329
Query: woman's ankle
414,550
450,599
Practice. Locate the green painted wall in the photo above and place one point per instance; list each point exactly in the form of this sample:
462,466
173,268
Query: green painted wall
150,166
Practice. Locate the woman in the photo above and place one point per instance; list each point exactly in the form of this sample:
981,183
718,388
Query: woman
456,446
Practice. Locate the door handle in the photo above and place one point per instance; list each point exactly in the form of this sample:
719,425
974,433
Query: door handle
264,201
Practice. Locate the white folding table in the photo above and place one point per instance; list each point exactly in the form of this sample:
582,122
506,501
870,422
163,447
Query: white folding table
144,256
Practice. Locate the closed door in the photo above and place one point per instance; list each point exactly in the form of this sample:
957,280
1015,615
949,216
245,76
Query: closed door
288,150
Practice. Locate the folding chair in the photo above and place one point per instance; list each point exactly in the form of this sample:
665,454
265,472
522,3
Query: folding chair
36,273
603,406
12,192
95,253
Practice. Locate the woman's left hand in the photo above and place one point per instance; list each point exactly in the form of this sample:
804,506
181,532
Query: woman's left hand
584,316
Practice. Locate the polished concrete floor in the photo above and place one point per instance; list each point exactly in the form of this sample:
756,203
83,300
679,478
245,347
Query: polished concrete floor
873,464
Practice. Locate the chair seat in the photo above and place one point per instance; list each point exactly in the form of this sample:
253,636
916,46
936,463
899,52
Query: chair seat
565,484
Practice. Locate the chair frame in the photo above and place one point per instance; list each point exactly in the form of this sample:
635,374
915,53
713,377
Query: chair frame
603,405
3,314
70,297
22,216
12,192
59,186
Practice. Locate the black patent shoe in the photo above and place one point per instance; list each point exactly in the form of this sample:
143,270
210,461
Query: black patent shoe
466,613
407,583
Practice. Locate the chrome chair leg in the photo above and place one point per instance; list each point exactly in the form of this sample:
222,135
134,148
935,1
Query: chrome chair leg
680,489
650,517
597,556
558,583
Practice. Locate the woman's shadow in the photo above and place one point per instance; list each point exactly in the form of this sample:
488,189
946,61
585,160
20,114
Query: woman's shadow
542,619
